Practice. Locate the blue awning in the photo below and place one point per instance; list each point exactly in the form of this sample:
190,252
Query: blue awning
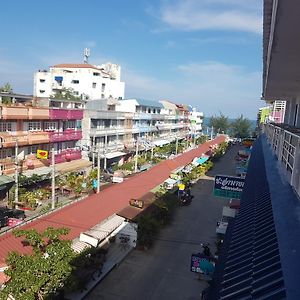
202,160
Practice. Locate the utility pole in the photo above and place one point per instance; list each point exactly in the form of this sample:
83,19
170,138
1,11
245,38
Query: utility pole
105,150
136,155
93,151
16,172
98,170
212,132
176,149
53,178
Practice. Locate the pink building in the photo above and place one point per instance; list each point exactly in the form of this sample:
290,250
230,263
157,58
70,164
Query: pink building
38,124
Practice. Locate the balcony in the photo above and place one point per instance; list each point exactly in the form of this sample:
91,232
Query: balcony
67,135
38,113
24,113
14,113
107,131
67,155
9,140
285,143
65,114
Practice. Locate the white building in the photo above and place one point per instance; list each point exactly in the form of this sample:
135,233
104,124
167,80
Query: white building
196,120
86,80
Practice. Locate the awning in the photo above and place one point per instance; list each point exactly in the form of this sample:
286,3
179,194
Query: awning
99,232
170,181
160,142
5,181
72,166
199,160
113,154
79,246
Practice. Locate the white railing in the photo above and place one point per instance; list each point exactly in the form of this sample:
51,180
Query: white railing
286,146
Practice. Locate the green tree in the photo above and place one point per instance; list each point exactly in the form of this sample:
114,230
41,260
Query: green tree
45,272
241,127
219,123
65,94
7,88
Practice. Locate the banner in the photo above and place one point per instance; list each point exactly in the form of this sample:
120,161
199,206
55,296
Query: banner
42,154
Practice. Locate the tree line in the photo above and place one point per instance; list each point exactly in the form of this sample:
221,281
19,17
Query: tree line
239,128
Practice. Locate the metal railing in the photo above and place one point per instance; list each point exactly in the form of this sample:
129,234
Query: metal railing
286,146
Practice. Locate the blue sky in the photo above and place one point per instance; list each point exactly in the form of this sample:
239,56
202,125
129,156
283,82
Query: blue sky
207,53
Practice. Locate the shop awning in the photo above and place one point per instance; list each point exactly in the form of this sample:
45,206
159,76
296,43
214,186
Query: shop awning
5,181
99,232
160,142
113,154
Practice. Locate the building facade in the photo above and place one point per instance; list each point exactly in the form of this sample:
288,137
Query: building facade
85,81
114,127
30,124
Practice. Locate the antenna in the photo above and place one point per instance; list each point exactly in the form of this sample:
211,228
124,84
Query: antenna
86,54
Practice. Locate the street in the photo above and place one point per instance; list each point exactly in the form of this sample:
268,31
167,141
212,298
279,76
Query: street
163,272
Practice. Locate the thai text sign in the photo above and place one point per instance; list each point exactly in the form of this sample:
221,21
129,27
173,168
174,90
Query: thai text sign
228,186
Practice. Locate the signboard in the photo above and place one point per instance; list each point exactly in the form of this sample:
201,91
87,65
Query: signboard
200,264
42,154
228,186
136,203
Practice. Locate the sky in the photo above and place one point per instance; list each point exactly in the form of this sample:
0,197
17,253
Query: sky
205,53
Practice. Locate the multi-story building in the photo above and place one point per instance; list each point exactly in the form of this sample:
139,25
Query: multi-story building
114,126
85,80
29,124
195,121
259,259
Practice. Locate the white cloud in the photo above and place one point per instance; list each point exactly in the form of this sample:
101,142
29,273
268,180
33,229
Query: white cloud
210,86
196,15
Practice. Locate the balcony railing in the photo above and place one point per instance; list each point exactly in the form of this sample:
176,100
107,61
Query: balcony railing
285,142
24,113
67,135
9,140
65,114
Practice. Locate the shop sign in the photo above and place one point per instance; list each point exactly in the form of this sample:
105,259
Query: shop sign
228,186
136,203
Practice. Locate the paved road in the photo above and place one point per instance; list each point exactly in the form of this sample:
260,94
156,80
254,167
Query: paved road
163,271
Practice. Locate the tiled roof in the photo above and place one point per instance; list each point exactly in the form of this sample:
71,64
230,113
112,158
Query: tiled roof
149,103
250,266
83,215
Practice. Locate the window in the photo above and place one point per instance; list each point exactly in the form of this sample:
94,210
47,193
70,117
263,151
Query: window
5,126
5,153
94,85
42,80
42,91
102,87
70,124
102,96
34,126
32,149
96,74
49,126
75,81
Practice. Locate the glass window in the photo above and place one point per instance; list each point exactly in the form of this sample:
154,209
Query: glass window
94,85
70,124
5,126
34,126
5,153
50,126
75,81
